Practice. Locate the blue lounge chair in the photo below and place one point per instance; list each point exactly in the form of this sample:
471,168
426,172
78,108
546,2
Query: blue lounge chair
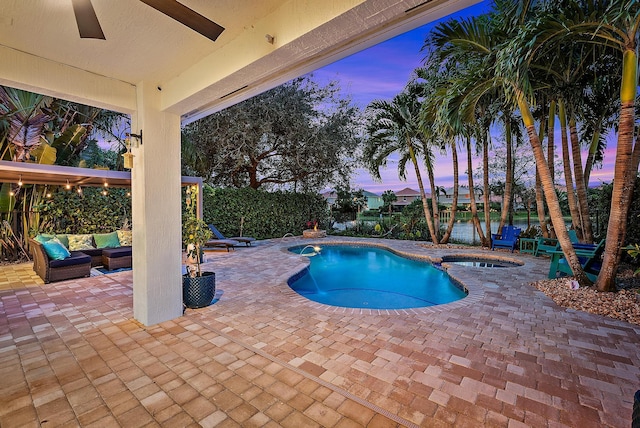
590,257
507,239
247,240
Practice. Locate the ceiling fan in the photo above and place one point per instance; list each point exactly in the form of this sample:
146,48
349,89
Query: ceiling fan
89,27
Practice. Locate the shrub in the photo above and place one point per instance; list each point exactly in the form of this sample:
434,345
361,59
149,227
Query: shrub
263,214
89,212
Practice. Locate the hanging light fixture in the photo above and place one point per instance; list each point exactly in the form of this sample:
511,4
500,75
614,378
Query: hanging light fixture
20,181
68,186
79,190
47,192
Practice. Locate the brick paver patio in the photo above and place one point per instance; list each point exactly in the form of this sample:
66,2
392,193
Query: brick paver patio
505,356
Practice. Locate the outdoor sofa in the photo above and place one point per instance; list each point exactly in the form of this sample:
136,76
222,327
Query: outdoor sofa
77,265
85,251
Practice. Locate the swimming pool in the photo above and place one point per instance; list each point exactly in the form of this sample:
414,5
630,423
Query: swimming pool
369,277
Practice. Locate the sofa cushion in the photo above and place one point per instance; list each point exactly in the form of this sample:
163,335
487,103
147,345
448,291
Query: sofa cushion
93,252
125,237
55,250
64,239
80,242
76,258
106,240
114,253
42,238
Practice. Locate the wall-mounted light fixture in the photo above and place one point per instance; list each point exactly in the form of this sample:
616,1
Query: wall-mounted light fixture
269,38
137,137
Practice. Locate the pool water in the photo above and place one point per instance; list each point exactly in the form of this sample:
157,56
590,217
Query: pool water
478,262
374,278
473,263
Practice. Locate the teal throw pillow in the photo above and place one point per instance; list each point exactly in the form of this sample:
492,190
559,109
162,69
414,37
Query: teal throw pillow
106,240
55,250
43,237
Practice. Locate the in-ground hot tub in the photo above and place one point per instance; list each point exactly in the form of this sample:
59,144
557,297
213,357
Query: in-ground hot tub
479,261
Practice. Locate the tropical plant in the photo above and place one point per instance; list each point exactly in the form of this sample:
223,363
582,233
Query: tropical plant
195,231
388,198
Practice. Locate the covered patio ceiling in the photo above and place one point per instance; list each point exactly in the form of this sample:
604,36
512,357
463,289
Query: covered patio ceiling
41,49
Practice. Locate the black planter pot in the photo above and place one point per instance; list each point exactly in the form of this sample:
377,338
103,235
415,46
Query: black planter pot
198,291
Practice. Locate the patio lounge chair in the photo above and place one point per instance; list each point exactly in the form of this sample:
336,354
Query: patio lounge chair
229,244
507,239
590,258
247,240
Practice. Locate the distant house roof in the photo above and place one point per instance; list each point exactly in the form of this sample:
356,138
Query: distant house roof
370,194
407,192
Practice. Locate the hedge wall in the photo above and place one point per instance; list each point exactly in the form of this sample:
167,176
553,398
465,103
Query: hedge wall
266,214
91,212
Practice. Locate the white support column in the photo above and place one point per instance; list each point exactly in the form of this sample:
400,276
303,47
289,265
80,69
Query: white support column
157,231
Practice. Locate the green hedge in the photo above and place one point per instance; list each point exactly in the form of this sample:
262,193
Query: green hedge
92,212
266,214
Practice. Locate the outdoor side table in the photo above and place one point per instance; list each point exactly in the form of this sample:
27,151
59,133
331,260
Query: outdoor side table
528,245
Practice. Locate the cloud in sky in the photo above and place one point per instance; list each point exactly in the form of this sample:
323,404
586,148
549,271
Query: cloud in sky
381,72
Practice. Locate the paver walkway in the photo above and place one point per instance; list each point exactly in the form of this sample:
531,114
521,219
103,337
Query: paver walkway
71,354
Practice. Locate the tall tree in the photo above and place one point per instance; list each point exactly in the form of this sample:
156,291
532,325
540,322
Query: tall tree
615,24
297,135
394,128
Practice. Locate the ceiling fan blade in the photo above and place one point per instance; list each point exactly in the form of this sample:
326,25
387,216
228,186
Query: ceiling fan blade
87,21
188,17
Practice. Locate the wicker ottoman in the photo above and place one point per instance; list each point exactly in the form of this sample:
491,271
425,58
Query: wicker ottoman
116,258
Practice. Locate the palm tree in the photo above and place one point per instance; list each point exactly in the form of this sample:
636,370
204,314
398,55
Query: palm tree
24,112
615,24
502,67
435,122
394,129
471,45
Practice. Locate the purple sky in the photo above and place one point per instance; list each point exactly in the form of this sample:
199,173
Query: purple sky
381,72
